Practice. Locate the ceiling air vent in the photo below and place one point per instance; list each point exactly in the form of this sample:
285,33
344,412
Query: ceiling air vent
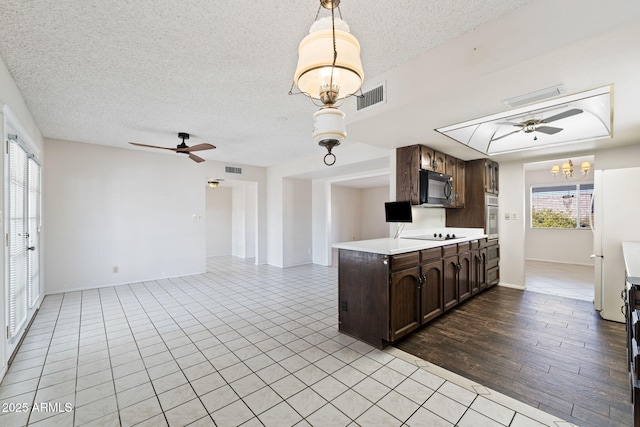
372,97
233,169
537,96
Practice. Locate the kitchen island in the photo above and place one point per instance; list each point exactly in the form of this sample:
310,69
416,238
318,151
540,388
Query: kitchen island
389,287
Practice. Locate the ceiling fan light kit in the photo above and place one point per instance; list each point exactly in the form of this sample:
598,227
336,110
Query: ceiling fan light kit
329,69
584,116
182,148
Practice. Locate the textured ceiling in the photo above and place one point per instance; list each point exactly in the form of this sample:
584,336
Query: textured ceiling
109,72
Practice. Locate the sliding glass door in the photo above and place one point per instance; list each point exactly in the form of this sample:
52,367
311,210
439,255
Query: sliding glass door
22,278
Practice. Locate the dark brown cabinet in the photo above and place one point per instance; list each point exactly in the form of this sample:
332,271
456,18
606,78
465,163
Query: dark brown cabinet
404,294
408,164
492,267
491,175
456,168
478,267
432,304
411,159
473,213
383,298
440,162
427,158
464,272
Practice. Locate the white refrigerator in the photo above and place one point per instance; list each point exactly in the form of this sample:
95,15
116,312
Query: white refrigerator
616,218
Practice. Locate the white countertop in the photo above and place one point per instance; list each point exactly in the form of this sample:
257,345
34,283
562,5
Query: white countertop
631,253
390,246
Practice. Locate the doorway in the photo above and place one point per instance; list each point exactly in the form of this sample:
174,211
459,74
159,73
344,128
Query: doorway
22,225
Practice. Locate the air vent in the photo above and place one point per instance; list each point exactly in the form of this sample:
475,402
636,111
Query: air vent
537,96
233,169
372,97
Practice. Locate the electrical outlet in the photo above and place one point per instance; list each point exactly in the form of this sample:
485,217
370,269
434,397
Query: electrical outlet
116,269
514,216
507,216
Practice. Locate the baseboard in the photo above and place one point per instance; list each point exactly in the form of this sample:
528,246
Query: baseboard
109,285
509,285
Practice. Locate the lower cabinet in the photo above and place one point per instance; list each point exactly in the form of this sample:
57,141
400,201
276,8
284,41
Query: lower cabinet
405,302
383,298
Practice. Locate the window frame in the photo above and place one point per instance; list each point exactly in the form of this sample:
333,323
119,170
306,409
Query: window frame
579,211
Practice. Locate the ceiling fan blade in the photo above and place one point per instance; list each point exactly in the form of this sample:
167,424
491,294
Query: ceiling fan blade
196,158
562,115
549,130
151,146
197,147
506,134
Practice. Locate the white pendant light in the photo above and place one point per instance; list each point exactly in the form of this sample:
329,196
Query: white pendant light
329,69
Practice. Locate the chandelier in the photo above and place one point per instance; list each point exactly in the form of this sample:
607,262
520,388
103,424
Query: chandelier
567,170
329,69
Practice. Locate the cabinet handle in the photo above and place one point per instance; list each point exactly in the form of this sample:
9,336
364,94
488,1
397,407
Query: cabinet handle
385,260
458,267
623,311
420,281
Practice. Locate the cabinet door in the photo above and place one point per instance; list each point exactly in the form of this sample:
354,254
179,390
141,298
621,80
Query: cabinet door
464,276
496,176
440,163
427,158
405,302
481,269
407,174
450,282
460,183
474,276
491,175
432,303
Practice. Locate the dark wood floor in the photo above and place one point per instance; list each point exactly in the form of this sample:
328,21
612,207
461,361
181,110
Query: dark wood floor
550,352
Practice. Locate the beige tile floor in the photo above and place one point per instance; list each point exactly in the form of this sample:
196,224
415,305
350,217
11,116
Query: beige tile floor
240,345
566,280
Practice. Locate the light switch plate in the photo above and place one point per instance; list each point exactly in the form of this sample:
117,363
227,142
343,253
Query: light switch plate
507,216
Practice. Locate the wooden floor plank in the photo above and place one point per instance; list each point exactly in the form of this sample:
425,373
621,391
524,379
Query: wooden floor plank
550,352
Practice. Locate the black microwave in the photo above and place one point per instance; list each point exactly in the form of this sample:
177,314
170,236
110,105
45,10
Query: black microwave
435,188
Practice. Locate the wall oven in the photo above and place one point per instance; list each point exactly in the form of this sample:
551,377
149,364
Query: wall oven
491,215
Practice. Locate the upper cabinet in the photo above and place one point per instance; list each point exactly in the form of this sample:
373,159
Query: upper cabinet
491,175
408,165
410,160
440,164
427,158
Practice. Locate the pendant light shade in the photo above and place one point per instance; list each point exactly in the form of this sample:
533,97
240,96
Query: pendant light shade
316,74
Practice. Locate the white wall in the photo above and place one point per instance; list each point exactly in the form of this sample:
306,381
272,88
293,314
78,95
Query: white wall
297,222
372,221
553,244
512,233
346,214
106,207
218,221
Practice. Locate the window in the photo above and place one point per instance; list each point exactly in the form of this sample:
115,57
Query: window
562,206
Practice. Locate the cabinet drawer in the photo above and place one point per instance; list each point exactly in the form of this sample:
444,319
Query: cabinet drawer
401,261
431,254
493,253
474,244
464,247
493,275
449,250
487,243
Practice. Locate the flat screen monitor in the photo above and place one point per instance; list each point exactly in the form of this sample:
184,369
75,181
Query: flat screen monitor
398,211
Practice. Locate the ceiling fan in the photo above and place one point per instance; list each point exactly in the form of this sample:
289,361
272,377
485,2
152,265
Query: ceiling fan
537,125
183,148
